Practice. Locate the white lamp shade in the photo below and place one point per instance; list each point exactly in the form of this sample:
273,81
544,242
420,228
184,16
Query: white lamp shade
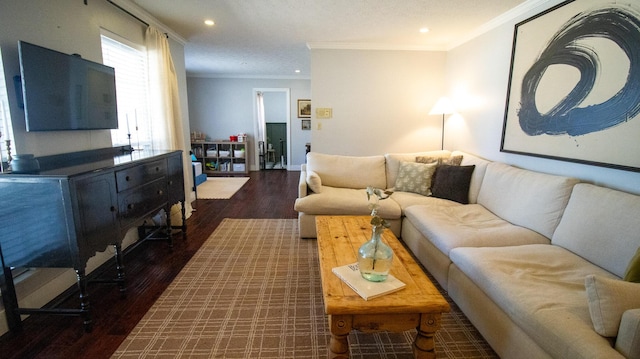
444,106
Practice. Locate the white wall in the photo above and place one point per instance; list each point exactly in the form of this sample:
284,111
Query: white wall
380,100
275,107
477,76
220,107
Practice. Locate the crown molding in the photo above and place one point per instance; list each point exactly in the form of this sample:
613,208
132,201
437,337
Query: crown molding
370,46
243,76
509,16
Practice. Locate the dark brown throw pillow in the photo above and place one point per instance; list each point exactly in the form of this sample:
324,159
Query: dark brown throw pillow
452,183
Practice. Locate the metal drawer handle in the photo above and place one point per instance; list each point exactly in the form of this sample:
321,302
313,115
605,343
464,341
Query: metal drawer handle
130,206
160,192
127,178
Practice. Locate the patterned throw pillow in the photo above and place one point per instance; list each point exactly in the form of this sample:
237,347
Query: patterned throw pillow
415,177
451,161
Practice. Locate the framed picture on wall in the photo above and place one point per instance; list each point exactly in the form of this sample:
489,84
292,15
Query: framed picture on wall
573,85
304,108
306,125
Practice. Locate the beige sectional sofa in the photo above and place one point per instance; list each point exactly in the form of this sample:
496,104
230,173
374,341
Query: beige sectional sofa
534,260
334,185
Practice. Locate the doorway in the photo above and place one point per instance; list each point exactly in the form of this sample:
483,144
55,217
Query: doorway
276,145
272,122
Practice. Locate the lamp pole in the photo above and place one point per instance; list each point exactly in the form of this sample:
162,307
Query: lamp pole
442,141
444,107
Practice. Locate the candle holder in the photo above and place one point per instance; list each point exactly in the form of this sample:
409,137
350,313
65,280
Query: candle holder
8,144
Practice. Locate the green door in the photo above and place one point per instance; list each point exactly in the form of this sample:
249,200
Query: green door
277,138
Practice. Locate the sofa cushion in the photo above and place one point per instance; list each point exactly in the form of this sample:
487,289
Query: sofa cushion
393,162
628,340
526,198
452,182
541,288
344,201
470,225
415,177
348,171
478,173
601,225
608,300
314,181
632,274
408,199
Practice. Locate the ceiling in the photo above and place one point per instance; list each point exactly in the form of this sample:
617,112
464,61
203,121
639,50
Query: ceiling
272,38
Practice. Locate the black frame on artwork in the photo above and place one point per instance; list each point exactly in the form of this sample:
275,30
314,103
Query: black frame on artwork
574,85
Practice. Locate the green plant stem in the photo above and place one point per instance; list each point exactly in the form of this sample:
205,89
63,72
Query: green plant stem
377,238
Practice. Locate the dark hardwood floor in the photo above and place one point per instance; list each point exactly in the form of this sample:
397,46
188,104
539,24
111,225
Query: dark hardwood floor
150,267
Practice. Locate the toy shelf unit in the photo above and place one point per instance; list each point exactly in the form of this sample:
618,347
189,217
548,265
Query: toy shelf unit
222,158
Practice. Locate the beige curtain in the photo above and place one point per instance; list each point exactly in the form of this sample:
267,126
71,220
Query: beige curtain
262,123
164,105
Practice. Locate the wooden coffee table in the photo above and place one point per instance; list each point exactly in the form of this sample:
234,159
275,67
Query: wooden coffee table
419,305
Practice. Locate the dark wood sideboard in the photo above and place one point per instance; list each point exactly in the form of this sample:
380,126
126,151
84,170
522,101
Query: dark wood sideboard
79,204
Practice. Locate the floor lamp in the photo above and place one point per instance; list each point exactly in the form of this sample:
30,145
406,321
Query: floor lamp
444,106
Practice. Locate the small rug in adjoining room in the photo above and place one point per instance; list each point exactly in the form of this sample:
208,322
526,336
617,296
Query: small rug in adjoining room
253,290
220,187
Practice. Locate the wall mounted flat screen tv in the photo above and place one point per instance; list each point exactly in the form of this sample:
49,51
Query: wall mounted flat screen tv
65,92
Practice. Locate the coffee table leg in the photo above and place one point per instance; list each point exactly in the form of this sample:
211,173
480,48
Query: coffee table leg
424,346
340,326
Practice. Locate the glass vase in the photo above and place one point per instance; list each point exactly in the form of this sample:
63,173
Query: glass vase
375,257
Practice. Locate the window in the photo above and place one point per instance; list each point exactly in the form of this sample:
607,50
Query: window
6,133
5,117
130,64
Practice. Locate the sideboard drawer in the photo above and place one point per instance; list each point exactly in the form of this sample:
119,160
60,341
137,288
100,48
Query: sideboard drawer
142,201
135,176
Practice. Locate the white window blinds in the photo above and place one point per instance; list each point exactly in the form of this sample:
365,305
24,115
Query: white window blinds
5,117
130,64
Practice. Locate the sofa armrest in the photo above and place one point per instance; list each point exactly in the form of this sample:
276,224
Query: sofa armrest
302,182
628,340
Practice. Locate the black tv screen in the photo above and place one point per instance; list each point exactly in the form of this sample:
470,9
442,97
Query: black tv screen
65,92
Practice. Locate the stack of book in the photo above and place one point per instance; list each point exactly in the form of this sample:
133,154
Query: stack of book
350,274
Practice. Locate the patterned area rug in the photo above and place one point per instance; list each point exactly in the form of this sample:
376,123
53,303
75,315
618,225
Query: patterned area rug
253,291
220,187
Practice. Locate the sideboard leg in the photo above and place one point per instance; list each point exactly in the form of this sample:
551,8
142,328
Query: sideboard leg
120,277
9,299
184,219
85,307
169,229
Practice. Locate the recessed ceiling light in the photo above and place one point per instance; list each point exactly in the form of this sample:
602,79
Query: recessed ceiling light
297,71
209,22
424,30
